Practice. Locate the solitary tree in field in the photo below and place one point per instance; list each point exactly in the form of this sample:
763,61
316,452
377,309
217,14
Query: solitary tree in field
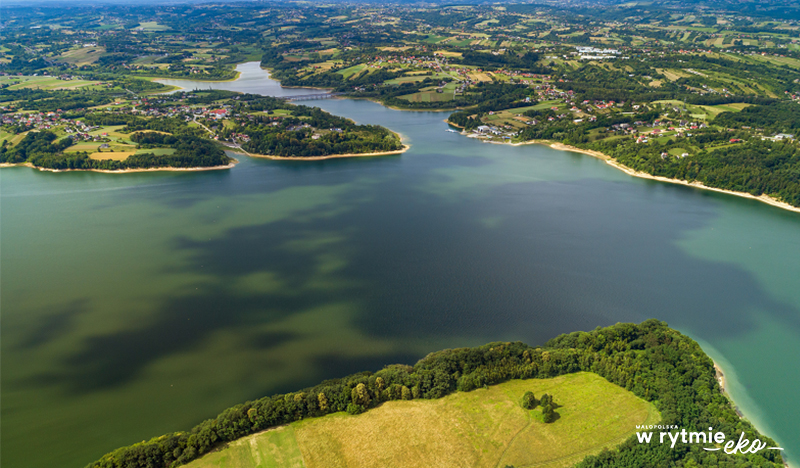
528,400
548,415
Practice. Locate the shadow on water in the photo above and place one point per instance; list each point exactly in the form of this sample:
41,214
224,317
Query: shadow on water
53,325
264,177
421,268
363,262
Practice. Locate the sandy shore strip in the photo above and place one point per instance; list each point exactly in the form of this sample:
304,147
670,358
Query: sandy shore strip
643,175
301,87
128,171
762,198
330,156
720,376
404,109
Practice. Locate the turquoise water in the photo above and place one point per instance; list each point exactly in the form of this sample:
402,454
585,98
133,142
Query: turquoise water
143,303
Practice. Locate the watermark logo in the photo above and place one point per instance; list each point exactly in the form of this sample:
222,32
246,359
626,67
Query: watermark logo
730,447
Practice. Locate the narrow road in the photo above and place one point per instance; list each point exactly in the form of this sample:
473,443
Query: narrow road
200,124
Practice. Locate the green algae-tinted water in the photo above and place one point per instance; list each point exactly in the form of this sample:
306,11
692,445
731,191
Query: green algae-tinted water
142,303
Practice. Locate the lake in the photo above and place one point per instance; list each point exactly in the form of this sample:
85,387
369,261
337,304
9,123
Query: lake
137,304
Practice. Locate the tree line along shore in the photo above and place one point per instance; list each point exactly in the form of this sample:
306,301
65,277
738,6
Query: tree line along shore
650,360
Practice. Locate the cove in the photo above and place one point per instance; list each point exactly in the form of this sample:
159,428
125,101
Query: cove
137,304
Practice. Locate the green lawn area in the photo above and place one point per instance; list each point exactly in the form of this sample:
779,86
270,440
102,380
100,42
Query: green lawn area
548,104
522,110
704,112
82,55
433,39
152,26
17,138
112,132
419,77
350,71
44,82
83,146
147,59
732,107
482,428
430,95
156,151
791,62
4,135
406,79
461,43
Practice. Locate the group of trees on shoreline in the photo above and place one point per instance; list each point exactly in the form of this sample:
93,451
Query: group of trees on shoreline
755,166
651,360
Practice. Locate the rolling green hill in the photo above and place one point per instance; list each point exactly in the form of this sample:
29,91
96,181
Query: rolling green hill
482,428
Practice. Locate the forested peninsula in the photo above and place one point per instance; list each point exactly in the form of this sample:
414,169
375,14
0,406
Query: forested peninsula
178,131
654,362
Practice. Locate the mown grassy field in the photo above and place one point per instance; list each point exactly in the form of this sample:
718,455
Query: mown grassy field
156,151
350,71
482,428
114,154
43,82
152,26
705,112
82,55
430,95
5,136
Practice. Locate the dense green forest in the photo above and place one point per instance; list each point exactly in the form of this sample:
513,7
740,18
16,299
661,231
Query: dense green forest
777,118
304,132
756,166
278,141
651,360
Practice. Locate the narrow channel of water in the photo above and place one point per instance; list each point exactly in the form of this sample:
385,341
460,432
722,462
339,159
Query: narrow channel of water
142,303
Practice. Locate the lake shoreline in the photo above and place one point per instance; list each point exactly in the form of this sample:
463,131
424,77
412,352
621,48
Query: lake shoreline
156,78
644,175
127,171
722,381
405,109
330,156
269,75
